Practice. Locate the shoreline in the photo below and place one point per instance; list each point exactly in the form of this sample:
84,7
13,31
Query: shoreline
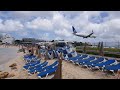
8,54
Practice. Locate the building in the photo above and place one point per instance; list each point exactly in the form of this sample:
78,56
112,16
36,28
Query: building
7,39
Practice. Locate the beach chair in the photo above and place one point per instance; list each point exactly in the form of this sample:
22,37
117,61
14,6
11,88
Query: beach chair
47,72
91,58
38,66
38,70
69,55
112,68
30,63
33,69
31,58
55,54
80,58
50,54
64,52
75,58
69,50
103,64
89,63
33,65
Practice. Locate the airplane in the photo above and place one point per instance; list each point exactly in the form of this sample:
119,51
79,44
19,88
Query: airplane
84,36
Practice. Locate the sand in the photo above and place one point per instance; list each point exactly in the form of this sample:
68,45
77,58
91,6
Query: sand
69,70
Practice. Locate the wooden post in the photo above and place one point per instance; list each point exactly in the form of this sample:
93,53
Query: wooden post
39,53
98,47
36,52
101,49
58,74
46,55
84,49
117,75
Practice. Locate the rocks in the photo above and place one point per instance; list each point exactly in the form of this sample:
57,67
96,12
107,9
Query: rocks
12,65
4,75
11,75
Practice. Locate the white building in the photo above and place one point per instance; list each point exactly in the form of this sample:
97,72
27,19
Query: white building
7,39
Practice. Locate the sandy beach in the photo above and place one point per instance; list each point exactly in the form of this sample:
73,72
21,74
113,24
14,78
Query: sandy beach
69,70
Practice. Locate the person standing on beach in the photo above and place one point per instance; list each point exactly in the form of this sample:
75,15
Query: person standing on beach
5,44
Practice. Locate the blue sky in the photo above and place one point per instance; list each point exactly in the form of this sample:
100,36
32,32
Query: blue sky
51,25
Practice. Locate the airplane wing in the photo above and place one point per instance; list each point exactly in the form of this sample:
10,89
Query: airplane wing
80,35
92,36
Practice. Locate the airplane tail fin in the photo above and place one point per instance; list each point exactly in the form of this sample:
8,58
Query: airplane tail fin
92,31
74,31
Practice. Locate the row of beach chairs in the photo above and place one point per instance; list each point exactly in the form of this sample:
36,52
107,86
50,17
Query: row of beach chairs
91,62
34,65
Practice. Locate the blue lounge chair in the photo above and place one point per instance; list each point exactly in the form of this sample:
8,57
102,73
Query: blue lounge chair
33,65
30,59
38,66
35,62
55,54
81,62
38,70
69,55
29,56
80,58
47,72
75,60
98,60
48,67
103,64
112,68
65,52
50,54
29,65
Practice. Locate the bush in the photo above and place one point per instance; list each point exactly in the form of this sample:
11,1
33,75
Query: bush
112,55
93,53
79,51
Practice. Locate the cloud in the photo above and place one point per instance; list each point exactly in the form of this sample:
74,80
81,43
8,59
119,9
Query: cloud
39,24
57,24
63,32
10,25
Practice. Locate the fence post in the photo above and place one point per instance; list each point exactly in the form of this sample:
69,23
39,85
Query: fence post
58,73
101,49
84,48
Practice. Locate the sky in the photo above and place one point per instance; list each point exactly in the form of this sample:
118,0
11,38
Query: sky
54,25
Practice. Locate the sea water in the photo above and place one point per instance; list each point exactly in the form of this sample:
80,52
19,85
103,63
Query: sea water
7,54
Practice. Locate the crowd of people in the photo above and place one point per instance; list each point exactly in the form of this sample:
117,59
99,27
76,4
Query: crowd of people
40,51
6,45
